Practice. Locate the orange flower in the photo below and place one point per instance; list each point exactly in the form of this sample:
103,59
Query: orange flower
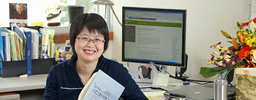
235,44
244,24
245,52
254,20
241,39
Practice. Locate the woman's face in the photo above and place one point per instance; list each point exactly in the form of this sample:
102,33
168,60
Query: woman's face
92,50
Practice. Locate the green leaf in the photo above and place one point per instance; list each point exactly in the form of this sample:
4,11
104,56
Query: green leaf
238,24
229,42
251,31
240,63
208,72
247,30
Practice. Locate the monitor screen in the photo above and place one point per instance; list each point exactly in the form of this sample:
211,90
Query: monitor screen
152,35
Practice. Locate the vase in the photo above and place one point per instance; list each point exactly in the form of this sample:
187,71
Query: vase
74,10
220,87
228,75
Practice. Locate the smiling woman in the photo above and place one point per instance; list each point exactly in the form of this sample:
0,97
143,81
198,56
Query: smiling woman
89,39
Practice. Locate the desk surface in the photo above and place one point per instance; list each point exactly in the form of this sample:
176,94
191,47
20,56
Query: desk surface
25,83
38,82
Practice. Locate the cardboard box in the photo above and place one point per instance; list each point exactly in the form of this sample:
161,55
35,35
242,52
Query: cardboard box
245,83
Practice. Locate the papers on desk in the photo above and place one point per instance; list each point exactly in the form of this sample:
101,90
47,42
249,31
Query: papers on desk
141,72
146,90
154,94
176,84
162,79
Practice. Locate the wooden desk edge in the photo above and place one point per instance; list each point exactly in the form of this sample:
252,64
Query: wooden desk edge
22,87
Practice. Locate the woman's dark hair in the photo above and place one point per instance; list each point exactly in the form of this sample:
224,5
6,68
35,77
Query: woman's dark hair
93,22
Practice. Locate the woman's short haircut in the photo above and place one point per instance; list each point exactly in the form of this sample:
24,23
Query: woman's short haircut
93,22
18,4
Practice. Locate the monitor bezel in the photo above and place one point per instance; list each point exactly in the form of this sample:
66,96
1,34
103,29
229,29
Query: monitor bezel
156,9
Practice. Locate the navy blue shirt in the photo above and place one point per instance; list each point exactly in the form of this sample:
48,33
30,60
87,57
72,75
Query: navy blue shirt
64,83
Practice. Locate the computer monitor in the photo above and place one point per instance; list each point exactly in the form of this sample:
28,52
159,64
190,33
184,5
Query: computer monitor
153,35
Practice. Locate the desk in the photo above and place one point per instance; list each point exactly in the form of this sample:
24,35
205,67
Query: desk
195,90
36,83
29,88
20,84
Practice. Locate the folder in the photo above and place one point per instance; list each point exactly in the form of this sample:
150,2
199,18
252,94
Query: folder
21,41
53,50
51,36
45,44
13,47
16,44
35,40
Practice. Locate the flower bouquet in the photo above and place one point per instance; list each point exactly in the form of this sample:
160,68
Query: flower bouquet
241,53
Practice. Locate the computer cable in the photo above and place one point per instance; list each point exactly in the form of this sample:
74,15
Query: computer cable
159,68
231,85
189,80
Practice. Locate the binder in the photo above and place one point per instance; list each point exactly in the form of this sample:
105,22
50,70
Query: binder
1,56
35,44
6,44
1,49
4,47
28,53
40,45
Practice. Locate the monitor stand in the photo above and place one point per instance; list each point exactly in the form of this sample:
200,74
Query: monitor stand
181,70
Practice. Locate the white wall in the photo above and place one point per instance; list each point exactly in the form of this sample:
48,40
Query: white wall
205,19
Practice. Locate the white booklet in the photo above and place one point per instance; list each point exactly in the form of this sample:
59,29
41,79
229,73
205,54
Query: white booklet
101,87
